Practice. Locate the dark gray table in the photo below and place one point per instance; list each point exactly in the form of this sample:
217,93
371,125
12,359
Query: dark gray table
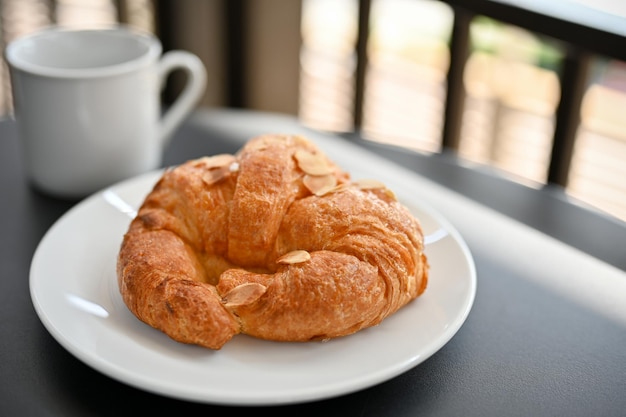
524,350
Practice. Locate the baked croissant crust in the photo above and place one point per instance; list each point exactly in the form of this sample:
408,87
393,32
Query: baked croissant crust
275,242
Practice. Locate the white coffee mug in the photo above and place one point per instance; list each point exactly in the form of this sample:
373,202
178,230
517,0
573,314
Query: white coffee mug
87,105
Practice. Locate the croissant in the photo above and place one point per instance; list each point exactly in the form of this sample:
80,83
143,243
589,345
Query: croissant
275,242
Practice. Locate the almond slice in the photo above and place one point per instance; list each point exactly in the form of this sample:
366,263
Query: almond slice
312,164
219,166
214,175
390,194
369,184
319,185
244,294
218,161
294,257
339,188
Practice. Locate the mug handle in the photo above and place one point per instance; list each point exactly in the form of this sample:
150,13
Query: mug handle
189,96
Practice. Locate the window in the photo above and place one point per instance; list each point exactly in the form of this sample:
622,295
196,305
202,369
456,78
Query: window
511,80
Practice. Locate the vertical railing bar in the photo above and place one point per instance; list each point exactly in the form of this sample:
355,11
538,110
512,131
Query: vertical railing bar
455,93
122,11
574,77
165,29
361,61
53,11
235,51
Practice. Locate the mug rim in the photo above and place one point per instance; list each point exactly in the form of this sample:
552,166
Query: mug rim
153,51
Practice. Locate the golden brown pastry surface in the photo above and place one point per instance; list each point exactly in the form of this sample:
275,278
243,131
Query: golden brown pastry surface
275,242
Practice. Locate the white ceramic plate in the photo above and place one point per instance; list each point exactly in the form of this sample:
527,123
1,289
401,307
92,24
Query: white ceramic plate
74,290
